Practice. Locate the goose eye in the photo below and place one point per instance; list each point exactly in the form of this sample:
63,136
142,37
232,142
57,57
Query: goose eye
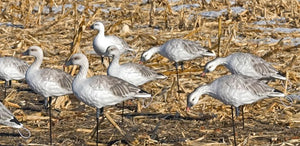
76,58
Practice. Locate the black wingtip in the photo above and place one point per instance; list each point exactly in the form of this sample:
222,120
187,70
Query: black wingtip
143,91
282,74
14,120
209,51
160,74
275,90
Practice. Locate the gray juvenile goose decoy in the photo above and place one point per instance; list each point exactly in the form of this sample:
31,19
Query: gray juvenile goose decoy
12,68
234,90
100,91
178,50
47,82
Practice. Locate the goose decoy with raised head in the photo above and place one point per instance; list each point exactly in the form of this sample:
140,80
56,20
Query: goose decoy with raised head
47,82
100,91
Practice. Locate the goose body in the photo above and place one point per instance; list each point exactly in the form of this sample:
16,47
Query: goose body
133,73
12,68
46,81
100,91
235,90
245,64
178,50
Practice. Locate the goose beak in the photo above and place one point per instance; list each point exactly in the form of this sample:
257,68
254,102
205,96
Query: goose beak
91,27
188,109
204,73
68,63
26,53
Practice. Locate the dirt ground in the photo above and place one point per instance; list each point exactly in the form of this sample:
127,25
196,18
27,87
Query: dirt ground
162,120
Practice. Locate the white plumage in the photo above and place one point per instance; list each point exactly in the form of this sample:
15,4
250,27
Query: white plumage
245,64
101,41
133,73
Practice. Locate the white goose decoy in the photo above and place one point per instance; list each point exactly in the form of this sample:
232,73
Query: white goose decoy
100,91
178,50
245,64
47,82
234,90
101,41
8,119
133,73
12,68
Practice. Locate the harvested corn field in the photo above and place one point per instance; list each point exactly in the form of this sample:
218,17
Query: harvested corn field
269,29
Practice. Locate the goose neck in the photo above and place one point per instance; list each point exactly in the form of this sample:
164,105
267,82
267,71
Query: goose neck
37,63
100,33
205,89
82,72
115,60
221,60
154,50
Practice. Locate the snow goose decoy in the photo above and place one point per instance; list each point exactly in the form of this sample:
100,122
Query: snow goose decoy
178,50
100,91
133,73
8,119
101,41
47,82
234,90
12,68
245,64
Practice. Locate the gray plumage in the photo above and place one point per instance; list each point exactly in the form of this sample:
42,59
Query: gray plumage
12,68
100,91
178,50
133,73
47,81
235,90
245,64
